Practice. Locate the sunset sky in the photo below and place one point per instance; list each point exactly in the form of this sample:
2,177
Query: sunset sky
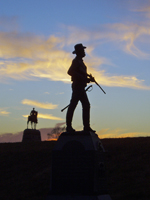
36,43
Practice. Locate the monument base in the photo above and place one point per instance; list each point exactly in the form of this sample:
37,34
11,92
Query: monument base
78,168
74,197
30,135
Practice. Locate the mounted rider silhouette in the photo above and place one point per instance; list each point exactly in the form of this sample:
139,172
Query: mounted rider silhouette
33,118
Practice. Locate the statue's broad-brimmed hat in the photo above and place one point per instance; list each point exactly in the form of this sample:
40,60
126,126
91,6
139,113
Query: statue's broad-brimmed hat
78,47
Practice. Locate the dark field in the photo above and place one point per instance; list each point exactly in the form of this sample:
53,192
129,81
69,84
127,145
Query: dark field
25,169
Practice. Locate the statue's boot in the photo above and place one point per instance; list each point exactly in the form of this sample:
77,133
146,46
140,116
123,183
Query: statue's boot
69,117
86,119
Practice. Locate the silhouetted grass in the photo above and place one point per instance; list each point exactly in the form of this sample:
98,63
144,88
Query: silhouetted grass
25,169
128,168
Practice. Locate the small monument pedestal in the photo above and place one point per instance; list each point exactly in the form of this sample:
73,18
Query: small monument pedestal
31,135
78,169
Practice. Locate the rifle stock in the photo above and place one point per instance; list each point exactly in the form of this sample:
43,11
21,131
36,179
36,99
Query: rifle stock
69,104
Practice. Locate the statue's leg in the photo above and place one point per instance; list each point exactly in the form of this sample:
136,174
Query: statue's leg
85,110
71,109
31,125
69,115
28,121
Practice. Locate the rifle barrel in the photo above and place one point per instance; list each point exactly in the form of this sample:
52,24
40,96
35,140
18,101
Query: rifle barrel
100,87
90,75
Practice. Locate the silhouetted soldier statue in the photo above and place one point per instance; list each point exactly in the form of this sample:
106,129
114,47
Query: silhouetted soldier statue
80,78
33,118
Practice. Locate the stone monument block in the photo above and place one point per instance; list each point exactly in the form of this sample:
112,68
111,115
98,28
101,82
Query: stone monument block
78,169
30,135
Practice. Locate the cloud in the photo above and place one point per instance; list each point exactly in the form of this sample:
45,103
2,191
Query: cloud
49,116
145,10
32,57
120,133
121,81
46,93
3,112
39,104
128,35
46,116
9,137
122,35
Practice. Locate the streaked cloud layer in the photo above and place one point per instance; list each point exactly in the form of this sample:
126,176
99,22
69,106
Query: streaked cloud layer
46,116
39,104
3,112
120,133
30,57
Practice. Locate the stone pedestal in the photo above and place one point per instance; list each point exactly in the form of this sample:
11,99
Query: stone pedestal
30,135
78,169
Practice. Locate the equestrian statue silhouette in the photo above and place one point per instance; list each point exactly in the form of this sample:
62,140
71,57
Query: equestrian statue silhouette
32,118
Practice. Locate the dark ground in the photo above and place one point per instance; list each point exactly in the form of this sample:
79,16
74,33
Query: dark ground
25,169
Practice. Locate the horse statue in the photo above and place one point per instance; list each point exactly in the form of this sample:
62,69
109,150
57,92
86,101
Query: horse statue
32,118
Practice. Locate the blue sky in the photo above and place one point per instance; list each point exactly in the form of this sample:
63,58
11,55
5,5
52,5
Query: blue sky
36,43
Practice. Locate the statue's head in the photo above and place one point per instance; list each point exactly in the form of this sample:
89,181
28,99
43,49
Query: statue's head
79,50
